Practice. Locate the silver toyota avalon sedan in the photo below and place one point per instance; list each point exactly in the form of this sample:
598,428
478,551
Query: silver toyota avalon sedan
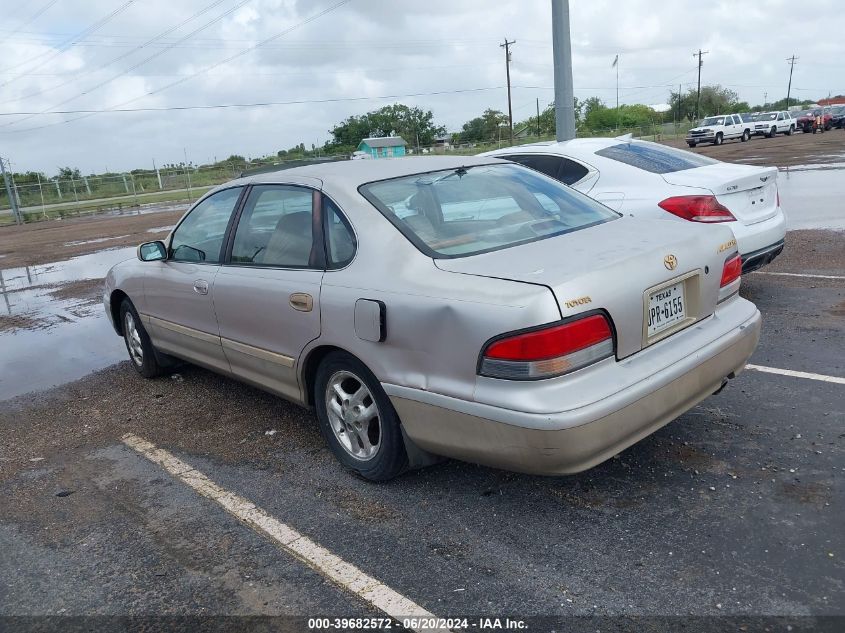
463,307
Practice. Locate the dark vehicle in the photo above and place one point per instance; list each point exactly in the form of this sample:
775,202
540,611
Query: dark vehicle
837,116
814,120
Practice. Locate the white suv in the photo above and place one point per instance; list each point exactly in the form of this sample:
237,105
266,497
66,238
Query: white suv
771,123
716,129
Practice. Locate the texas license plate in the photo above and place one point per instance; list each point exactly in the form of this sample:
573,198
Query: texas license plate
666,307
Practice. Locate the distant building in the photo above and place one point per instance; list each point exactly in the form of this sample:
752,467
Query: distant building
383,147
444,140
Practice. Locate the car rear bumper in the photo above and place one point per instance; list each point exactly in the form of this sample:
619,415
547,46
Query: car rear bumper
758,259
752,239
692,365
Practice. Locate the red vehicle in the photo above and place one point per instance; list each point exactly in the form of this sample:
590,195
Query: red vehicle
814,120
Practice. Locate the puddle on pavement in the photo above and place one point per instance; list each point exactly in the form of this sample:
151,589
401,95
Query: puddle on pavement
53,328
812,198
161,229
98,240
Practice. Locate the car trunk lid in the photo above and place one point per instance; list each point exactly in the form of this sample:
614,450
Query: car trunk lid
613,267
750,193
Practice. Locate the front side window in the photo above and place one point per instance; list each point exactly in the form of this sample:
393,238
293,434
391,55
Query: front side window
653,158
471,210
275,228
199,237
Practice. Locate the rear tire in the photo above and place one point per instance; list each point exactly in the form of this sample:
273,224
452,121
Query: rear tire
718,139
349,401
142,354
746,136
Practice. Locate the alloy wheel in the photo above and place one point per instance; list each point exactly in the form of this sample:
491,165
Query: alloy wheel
353,415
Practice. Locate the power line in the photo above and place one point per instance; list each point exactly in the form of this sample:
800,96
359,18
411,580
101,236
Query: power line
32,18
142,62
207,68
261,104
69,43
150,41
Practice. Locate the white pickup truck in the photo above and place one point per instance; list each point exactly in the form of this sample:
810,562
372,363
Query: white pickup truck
716,129
772,123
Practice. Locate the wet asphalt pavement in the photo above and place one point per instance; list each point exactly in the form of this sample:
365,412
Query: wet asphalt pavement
733,509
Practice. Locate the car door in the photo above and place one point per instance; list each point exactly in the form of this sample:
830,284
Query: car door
178,302
267,293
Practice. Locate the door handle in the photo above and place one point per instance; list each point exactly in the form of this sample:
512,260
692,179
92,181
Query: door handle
201,287
301,301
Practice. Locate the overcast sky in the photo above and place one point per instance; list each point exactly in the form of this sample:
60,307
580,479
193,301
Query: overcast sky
104,54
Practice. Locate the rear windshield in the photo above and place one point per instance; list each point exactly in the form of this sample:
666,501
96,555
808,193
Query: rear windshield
654,158
471,210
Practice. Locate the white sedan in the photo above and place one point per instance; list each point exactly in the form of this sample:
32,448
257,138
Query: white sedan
650,180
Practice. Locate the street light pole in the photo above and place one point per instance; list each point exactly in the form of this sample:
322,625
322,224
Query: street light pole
562,52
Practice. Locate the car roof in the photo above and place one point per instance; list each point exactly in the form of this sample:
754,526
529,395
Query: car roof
576,145
353,173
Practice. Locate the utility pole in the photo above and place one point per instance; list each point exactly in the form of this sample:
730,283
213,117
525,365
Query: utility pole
507,46
562,52
616,66
765,98
700,64
791,61
538,118
12,200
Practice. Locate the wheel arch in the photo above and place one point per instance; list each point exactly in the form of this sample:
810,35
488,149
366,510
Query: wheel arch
115,301
309,366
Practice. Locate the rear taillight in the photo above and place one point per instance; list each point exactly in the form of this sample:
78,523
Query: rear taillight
548,351
731,276
697,208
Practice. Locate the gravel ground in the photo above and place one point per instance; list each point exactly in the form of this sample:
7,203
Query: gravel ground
781,151
49,241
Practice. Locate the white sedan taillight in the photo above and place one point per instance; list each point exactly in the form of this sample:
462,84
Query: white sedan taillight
548,351
697,208
731,277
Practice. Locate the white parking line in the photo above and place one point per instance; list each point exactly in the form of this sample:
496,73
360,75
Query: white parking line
329,565
797,374
766,272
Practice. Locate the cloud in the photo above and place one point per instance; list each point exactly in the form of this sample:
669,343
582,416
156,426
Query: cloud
368,48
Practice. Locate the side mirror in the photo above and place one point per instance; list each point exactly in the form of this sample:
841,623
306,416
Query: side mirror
152,251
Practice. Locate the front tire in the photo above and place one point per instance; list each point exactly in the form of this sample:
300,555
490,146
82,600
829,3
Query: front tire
142,354
718,139
357,418
690,144
790,130
773,132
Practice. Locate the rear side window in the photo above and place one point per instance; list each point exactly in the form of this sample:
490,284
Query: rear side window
340,240
654,158
275,228
563,169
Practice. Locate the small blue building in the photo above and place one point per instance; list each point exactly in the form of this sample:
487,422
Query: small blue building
383,147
